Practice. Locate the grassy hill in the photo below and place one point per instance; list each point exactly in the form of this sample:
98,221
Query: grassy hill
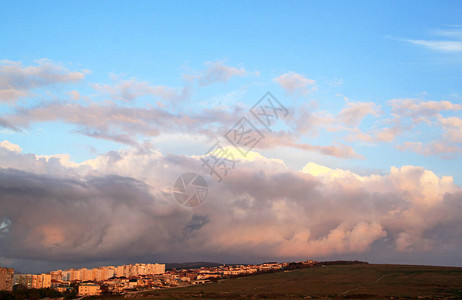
348,281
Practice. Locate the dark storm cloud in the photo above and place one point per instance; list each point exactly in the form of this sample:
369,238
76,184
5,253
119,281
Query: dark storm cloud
80,219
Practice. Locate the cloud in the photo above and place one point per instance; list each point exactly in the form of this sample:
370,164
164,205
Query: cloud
75,95
388,134
451,45
455,32
285,139
295,84
216,72
17,81
119,206
443,46
453,128
126,125
442,148
409,115
10,146
123,124
131,89
77,208
353,114
431,114
342,239
420,111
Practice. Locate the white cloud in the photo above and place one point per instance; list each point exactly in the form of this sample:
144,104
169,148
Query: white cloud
453,44
10,146
443,46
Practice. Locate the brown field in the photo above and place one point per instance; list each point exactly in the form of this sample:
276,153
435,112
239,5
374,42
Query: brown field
347,281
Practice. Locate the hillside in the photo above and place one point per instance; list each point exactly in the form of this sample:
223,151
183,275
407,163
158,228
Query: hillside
337,281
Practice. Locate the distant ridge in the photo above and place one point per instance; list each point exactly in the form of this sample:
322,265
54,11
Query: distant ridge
341,262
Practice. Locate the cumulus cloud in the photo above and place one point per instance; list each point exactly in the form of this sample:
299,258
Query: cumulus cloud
10,146
17,80
119,205
296,84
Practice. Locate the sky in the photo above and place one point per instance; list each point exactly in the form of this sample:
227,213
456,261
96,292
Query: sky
104,105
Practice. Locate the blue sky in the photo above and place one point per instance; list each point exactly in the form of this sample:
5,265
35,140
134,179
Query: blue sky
360,44
370,85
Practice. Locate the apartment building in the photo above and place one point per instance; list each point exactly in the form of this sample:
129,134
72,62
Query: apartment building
104,273
6,279
57,275
33,281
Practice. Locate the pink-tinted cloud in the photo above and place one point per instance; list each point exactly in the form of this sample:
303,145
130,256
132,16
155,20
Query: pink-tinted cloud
353,113
296,84
420,111
17,81
453,128
129,90
442,148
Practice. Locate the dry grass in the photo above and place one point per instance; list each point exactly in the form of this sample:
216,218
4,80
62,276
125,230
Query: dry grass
350,281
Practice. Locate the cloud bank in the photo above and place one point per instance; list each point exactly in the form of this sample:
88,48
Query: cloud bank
119,206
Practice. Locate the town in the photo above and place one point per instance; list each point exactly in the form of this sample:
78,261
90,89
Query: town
130,278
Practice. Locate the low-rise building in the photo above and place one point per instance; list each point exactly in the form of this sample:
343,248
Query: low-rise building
89,289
